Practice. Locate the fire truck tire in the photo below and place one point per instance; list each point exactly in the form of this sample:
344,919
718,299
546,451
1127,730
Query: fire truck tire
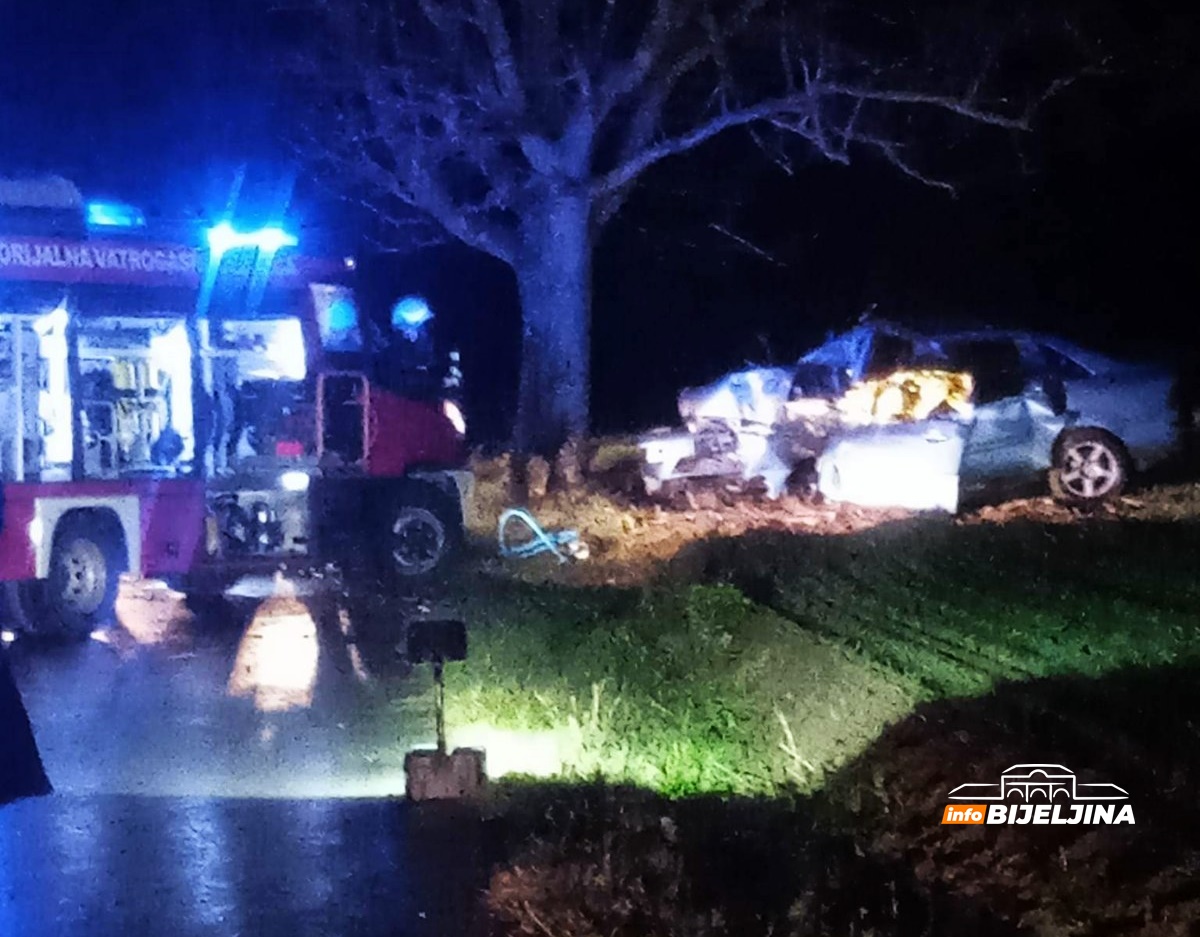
86,563
421,536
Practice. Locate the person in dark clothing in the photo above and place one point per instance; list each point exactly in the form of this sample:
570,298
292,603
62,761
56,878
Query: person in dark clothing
409,361
21,771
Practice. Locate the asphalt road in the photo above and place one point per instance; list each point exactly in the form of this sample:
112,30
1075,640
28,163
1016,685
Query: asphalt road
236,773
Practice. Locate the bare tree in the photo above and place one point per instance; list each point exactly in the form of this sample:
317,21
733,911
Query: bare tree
521,126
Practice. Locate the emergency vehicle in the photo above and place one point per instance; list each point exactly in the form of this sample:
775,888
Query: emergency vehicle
200,411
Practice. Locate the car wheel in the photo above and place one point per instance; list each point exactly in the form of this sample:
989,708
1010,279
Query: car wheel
86,563
419,540
1090,466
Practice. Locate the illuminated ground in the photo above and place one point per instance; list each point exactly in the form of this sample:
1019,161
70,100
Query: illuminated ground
741,645
874,668
182,810
122,717
1020,632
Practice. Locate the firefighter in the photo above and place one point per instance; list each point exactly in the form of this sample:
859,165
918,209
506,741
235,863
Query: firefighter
411,353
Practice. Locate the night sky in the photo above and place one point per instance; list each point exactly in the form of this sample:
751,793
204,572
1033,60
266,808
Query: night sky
1089,230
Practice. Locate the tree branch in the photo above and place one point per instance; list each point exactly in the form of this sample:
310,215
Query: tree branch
890,150
626,78
955,105
747,245
489,19
520,103
672,146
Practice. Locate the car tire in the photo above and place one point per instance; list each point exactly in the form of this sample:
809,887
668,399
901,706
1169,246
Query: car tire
1090,467
421,537
86,563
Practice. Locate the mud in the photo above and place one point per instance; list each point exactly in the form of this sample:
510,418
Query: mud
1136,728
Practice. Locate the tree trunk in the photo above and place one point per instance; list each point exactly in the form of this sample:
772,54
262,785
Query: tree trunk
554,276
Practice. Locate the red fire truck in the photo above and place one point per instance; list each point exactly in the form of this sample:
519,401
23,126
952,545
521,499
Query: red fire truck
197,413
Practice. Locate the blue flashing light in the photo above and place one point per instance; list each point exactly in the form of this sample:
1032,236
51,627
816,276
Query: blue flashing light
337,318
271,240
412,312
342,315
223,238
114,215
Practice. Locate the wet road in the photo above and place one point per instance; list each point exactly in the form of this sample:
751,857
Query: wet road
126,865
181,809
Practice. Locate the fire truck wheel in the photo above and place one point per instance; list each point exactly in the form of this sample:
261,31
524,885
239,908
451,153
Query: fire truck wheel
419,540
85,572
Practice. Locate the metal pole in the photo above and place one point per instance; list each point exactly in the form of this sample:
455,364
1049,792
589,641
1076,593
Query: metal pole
200,337
75,387
320,415
201,401
366,421
440,706
18,346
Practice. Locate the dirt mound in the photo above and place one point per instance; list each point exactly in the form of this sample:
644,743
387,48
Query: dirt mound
1170,502
1136,729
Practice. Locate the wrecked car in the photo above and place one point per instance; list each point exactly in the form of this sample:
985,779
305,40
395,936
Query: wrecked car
1040,405
762,424
730,430
889,417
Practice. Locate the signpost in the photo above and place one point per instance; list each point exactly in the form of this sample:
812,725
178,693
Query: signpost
438,775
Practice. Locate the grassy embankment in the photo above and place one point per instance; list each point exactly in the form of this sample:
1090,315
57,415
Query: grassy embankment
765,661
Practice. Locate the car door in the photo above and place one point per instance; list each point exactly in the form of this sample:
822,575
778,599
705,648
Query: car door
1002,435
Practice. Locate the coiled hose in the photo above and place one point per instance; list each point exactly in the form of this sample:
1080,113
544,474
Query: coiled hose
564,544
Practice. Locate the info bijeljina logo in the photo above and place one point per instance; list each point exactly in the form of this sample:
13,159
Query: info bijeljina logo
1038,795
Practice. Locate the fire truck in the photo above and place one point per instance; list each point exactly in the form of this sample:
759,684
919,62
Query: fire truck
202,411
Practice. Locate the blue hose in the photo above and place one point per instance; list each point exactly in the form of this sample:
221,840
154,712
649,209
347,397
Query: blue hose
542,541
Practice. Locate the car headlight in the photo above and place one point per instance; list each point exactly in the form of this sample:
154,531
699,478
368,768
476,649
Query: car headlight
454,414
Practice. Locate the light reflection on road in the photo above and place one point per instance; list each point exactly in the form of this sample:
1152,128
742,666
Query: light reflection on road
276,663
167,867
174,815
272,699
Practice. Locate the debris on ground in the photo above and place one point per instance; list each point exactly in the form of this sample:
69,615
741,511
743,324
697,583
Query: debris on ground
630,536
1160,503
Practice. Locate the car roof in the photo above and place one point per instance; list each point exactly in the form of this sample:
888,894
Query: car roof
1092,360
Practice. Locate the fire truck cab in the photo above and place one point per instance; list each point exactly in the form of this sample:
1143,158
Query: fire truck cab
200,412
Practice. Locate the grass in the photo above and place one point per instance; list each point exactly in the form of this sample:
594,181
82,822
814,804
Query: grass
680,690
874,670
763,662
952,610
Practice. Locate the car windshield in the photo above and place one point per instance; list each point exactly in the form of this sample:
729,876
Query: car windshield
1063,366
